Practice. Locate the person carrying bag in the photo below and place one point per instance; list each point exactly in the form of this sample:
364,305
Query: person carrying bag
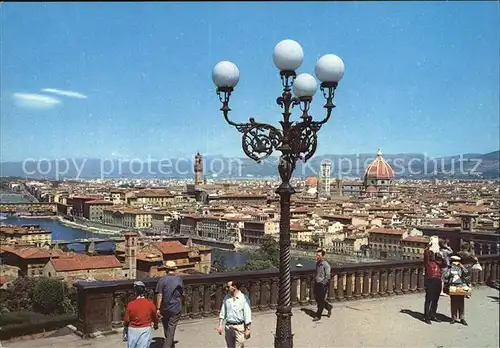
458,288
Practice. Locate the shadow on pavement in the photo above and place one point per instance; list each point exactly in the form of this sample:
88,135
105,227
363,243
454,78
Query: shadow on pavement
309,312
158,342
494,298
420,316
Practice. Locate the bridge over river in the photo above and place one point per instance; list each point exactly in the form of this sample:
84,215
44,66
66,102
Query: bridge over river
91,243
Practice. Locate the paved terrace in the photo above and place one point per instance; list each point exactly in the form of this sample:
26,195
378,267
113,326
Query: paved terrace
379,322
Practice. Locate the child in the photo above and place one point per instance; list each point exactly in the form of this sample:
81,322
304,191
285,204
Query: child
139,315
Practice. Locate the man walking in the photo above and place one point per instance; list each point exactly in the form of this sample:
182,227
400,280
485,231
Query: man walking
169,302
321,281
237,315
433,283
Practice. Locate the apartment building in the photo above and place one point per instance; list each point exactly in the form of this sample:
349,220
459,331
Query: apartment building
385,243
154,198
253,231
127,217
25,234
412,247
93,210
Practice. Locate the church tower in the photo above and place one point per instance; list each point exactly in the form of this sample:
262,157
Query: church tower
130,255
198,169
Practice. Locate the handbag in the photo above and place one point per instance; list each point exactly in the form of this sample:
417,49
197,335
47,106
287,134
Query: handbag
459,290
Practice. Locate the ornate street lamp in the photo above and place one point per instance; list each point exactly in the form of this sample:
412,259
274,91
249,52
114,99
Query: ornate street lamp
296,140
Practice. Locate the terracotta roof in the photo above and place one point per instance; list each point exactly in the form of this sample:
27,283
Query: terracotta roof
21,230
33,252
99,201
417,239
171,247
379,169
85,262
381,230
312,181
5,279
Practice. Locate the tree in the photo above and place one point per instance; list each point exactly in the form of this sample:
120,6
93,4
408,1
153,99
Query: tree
219,265
50,296
19,294
266,257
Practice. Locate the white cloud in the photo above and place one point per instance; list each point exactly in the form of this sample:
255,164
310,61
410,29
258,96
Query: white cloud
35,101
70,94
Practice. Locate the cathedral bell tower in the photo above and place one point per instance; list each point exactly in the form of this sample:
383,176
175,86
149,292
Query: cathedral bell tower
198,169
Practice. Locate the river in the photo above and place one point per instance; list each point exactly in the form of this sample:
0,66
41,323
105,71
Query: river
60,231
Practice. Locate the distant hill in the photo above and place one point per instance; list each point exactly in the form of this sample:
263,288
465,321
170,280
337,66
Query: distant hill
408,165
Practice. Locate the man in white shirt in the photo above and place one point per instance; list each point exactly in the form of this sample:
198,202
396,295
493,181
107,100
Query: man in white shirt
237,316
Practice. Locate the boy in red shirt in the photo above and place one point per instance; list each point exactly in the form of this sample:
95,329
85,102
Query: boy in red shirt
139,316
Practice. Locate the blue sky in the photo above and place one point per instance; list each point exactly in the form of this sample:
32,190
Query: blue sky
420,76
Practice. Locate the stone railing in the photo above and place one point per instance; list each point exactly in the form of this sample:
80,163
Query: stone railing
101,304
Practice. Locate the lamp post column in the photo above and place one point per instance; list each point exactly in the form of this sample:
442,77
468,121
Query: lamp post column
296,140
284,337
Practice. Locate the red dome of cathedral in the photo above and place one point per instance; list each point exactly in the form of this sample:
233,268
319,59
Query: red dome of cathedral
379,169
312,181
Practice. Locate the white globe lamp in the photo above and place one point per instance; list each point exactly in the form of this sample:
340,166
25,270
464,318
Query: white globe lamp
329,68
304,86
288,55
225,74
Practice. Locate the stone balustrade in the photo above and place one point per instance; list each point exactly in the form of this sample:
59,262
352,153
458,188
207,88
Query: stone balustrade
101,304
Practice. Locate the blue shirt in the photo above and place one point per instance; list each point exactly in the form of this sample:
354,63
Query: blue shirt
236,309
171,288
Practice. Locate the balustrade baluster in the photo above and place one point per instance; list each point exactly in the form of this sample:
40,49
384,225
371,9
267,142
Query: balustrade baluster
383,283
375,283
274,293
186,305
406,280
481,274
303,290
421,279
413,279
475,278
349,279
398,282
295,285
390,282
366,283
312,299
494,271
207,301
357,284
340,286
219,296
252,294
487,272
195,306
264,295
331,289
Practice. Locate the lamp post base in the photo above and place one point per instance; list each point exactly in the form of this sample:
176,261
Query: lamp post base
283,337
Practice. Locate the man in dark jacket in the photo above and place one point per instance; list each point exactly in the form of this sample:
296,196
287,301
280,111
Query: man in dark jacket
169,293
321,282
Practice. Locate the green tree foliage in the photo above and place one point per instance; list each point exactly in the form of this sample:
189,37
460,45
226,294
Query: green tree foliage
42,295
18,296
51,297
266,257
219,265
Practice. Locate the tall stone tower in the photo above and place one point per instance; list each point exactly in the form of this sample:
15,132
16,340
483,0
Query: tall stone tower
198,169
131,255
324,178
